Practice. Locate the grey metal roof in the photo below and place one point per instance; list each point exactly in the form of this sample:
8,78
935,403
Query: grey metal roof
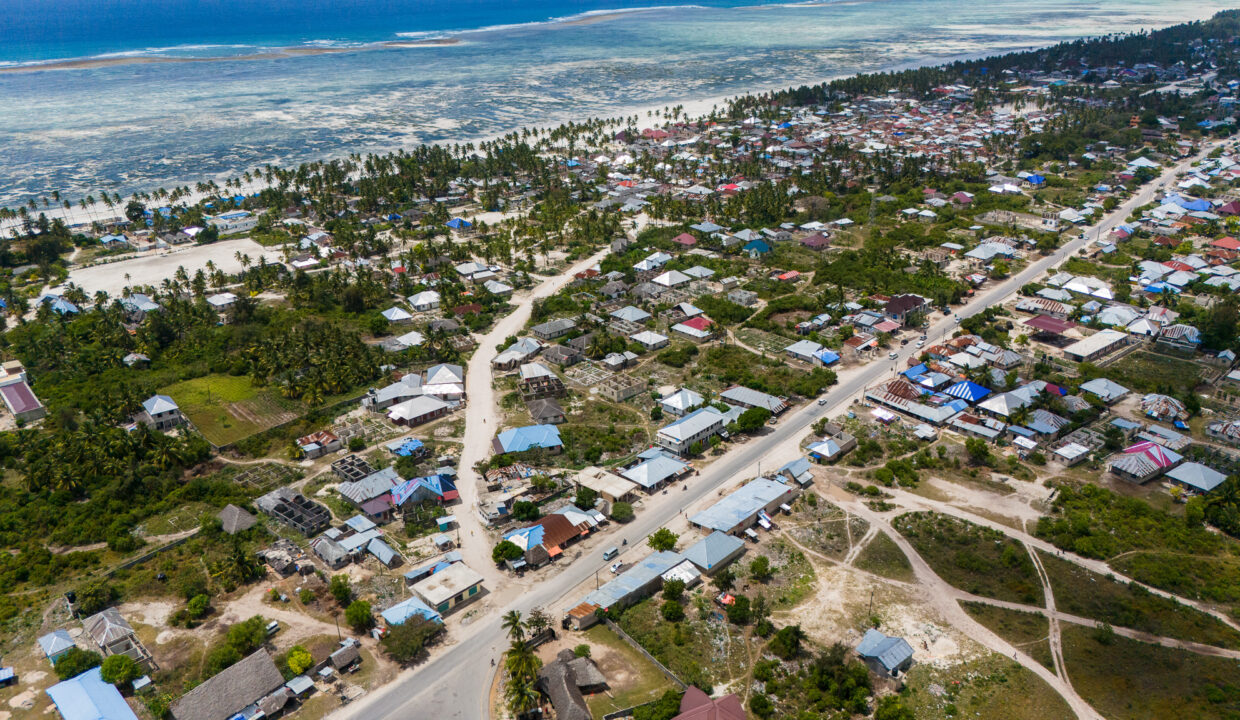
891,652
740,504
713,550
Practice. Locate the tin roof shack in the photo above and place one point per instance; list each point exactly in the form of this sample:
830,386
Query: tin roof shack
88,697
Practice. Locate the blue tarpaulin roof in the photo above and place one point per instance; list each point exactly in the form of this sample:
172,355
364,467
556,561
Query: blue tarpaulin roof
826,357
757,246
458,223
967,390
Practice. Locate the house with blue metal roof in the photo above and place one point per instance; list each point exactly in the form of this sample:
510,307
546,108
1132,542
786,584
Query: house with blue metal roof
639,581
412,607
56,643
890,655
88,697
531,437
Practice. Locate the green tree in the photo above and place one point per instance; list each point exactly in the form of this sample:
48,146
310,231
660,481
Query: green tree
299,659
407,641
505,550
622,512
120,670
673,590
95,596
248,635
752,420
198,606
786,643
75,661
525,511
760,568
738,611
342,590
586,497
892,707
725,579
672,611
665,708
359,616
663,539
514,626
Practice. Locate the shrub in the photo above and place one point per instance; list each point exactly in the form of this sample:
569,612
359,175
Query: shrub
622,512
582,650
95,596
306,596
299,659
198,606
672,611
663,539
738,611
359,616
120,670
76,661
406,642
760,568
673,590
586,497
506,550
342,590
248,635
356,444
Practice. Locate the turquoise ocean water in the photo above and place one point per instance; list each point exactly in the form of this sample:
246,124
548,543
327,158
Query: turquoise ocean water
259,91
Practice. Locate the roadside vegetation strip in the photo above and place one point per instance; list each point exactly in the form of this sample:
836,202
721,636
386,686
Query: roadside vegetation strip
1027,631
1130,680
973,558
1082,592
882,556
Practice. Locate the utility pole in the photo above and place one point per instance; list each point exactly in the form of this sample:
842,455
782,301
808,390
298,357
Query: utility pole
871,612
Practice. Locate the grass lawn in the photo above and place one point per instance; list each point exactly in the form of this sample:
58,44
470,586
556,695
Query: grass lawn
993,688
1081,592
228,408
1146,371
1129,680
697,650
1027,631
631,678
973,558
883,557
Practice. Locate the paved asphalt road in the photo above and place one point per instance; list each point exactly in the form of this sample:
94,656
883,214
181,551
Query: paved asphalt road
455,683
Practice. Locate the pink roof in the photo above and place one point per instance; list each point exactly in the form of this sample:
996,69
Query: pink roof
685,239
20,398
696,705
1152,450
1227,243
701,322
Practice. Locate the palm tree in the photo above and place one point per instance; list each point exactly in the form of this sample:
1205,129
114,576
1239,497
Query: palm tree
514,626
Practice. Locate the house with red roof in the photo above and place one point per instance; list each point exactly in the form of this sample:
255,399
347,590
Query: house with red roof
685,239
697,329
1226,243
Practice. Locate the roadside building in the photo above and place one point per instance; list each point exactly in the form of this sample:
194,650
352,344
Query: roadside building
715,551
449,588
696,427
742,508
1095,346
608,485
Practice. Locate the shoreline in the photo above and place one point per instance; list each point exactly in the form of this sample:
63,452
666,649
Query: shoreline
693,108
91,63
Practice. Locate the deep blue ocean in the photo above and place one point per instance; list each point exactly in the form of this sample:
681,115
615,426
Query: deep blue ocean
124,95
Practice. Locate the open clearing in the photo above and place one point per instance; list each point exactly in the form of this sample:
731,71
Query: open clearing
155,267
227,408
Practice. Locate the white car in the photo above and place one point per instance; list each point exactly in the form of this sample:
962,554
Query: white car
893,354
615,567
822,401
921,343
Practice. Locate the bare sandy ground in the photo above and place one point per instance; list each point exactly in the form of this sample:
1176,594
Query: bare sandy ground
152,268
